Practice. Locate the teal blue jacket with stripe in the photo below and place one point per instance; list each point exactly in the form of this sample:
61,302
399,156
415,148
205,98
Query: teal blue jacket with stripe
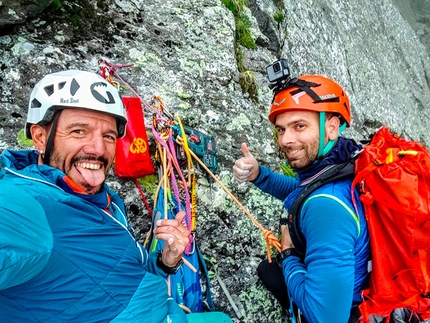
70,257
328,283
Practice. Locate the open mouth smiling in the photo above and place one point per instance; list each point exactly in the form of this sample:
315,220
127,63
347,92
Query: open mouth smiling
88,166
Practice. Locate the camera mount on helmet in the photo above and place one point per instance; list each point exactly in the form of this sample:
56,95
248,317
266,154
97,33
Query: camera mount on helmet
278,75
280,79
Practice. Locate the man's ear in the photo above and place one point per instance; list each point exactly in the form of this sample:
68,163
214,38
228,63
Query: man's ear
39,136
332,127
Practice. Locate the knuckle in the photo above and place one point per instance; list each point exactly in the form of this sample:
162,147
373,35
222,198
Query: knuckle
170,229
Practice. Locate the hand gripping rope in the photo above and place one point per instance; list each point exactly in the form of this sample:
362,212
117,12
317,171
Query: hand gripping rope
170,164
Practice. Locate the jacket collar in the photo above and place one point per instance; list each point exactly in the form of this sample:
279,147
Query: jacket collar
340,153
25,162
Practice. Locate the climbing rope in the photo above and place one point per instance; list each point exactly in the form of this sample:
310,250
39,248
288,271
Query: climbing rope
269,237
109,70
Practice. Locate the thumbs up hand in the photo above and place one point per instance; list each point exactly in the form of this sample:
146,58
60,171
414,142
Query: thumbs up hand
246,168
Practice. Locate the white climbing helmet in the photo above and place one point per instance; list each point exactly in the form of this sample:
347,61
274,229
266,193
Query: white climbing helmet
74,89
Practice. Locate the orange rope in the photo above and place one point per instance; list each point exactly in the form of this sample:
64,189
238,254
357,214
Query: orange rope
271,239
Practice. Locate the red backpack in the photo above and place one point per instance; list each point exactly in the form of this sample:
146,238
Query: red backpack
393,178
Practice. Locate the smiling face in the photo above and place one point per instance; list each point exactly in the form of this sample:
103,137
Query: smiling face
84,146
298,135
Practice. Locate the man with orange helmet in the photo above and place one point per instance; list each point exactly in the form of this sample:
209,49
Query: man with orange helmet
309,113
67,251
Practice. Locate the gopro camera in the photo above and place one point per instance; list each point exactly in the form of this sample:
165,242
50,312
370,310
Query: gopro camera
279,70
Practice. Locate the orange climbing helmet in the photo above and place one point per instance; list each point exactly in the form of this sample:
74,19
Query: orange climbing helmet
313,93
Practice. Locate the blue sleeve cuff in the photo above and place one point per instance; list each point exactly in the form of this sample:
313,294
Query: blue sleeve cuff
263,175
151,265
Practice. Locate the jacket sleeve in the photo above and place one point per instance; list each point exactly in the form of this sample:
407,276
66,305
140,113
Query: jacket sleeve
151,265
25,237
323,286
277,185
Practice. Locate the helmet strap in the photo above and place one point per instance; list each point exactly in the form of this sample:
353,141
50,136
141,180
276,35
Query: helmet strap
342,128
304,86
323,150
50,141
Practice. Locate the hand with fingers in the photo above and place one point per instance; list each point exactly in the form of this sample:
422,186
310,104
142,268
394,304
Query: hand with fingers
246,168
176,237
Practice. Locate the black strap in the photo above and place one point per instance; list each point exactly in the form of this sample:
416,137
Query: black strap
207,293
50,141
302,85
305,86
337,172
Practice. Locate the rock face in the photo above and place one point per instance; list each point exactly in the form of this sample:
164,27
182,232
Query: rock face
18,12
206,59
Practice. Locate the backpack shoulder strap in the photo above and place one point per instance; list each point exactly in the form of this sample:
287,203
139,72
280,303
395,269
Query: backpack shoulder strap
207,293
336,172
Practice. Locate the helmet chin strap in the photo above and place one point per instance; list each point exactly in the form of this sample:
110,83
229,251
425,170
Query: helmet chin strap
323,150
50,141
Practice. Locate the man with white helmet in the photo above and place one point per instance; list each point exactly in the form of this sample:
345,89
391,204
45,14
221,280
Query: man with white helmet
67,253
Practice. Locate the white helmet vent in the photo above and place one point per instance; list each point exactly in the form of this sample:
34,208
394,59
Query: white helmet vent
74,87
61,85
35,104
49,89
101,93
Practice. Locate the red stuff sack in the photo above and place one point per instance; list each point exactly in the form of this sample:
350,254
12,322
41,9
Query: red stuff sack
393,175
133,159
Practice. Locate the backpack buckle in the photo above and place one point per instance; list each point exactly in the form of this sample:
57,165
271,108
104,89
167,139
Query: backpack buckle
367,198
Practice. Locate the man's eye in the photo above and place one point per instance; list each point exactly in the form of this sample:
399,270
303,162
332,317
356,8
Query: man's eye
78,131
110,138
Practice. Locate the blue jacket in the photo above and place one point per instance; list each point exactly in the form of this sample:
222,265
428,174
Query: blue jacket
71,257
328,283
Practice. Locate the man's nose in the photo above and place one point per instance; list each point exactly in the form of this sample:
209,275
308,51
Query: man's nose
95,146
286,138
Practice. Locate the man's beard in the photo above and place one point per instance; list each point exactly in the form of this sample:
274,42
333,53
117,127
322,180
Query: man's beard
309,155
